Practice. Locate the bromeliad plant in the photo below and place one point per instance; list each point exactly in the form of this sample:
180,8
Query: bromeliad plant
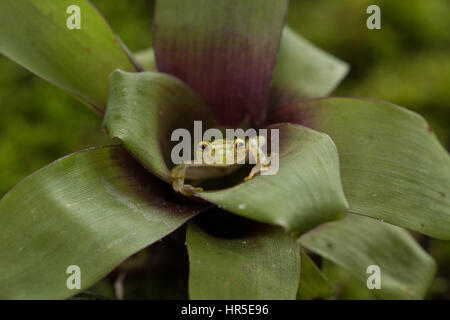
367,164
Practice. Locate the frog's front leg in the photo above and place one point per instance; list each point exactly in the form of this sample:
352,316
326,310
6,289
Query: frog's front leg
262,160
178,174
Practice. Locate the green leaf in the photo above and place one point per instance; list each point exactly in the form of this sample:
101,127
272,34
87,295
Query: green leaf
146,59
357,242
143,111
92,209
102,290
35,35
346,286
225,50
393,167
304,193
313,283
303,71
265,264
162,271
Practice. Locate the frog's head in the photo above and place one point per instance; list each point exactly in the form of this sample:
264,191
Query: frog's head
222,151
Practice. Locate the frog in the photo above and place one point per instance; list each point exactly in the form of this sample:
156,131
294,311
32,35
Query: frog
218,158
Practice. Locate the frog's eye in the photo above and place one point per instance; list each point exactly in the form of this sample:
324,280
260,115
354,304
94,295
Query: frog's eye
239,143
203,145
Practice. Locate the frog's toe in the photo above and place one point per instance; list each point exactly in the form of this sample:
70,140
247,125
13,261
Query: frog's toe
188,190
196,189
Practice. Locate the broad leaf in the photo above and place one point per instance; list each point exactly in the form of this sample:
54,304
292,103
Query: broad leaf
225,50
143,111
35,35
91,209
303,71
146,59
305,192
346,286
357,242
313,284
393,167
265,264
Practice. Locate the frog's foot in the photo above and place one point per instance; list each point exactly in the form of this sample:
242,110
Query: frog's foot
185,189
249,177
258,168
178,174
189,190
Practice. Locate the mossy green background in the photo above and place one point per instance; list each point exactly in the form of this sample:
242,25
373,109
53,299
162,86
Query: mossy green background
407,62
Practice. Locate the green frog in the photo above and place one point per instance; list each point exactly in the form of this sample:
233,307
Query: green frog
219,158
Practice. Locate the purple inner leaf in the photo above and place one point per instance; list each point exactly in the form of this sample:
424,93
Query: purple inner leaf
225,50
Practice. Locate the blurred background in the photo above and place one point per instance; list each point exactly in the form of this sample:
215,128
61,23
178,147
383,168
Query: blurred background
407,62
